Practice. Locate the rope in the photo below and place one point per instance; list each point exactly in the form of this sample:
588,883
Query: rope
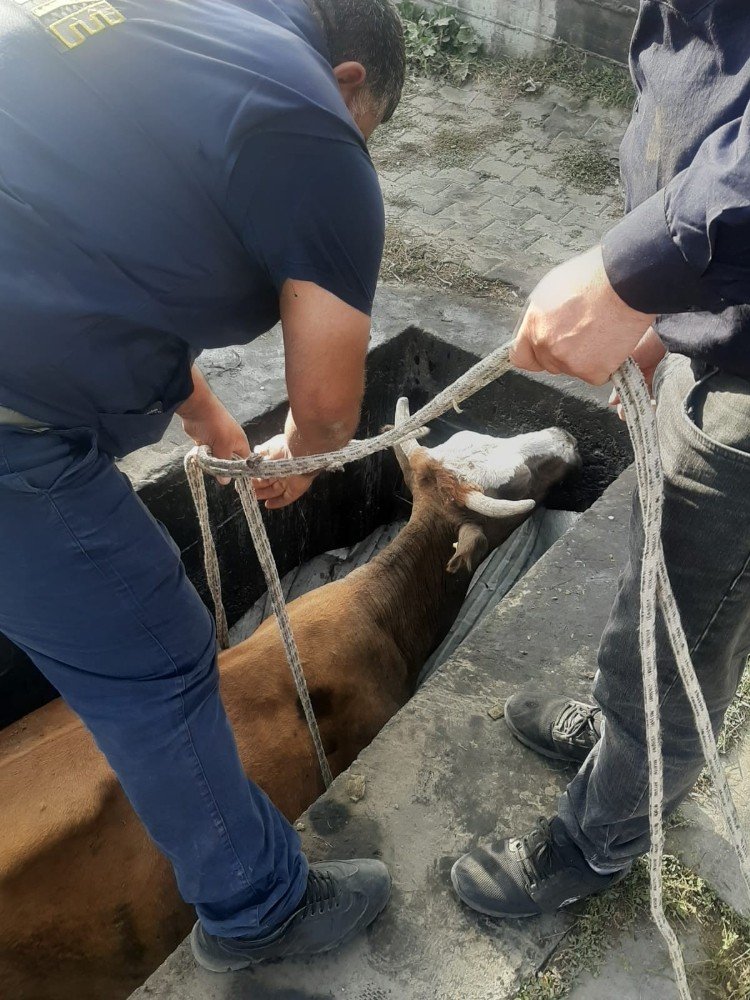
263,547
655,590
256,467
197,483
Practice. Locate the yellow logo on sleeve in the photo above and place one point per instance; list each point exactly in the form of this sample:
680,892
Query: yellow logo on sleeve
73,23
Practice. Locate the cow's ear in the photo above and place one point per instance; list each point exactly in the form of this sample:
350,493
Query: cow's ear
471,548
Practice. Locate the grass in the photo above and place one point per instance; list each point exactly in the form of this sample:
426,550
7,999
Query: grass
454,146
584,76
724,972
735,726
413,259
738,714
586,167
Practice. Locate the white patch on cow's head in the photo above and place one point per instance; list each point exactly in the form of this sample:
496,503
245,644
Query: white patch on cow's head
506,466
505,477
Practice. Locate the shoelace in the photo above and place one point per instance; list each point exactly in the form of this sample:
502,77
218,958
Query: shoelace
576,722
536,852
322,893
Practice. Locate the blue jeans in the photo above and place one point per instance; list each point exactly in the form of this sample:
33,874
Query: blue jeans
93,589
704,431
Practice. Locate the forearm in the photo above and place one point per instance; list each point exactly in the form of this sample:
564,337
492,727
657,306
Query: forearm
316,433
201,402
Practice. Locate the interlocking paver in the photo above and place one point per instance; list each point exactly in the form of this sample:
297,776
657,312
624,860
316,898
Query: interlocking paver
496,192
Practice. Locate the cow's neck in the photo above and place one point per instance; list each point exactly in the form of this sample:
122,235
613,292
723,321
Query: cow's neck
412,596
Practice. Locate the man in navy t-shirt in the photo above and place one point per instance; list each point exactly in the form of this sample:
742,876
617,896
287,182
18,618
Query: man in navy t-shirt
174,176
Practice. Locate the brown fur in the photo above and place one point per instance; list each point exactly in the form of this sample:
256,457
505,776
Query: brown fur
88,907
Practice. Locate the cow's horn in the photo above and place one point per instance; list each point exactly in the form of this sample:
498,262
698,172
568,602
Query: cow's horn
491,507
407,448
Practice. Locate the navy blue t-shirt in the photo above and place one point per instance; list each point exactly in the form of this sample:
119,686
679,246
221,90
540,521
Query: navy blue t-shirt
165,165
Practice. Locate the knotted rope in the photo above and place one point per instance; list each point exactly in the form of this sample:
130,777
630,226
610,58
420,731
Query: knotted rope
656,591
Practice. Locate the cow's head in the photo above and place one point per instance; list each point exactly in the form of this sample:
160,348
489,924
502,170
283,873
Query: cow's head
485,485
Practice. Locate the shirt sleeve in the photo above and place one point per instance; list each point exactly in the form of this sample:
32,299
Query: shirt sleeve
688,246
315,213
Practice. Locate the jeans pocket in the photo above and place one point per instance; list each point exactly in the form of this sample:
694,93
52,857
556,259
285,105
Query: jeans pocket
717,412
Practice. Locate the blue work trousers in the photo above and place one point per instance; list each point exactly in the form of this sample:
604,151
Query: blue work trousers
93,589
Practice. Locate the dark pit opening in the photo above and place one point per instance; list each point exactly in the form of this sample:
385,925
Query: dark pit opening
345,507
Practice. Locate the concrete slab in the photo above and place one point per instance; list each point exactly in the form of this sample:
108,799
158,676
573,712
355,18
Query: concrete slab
637,968
442,775
701,841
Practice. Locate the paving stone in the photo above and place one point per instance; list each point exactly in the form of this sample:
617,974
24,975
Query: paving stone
494,166
504,240
531,179
486,102
470,203
501,191
459,175
543,160
556,253
562,96
570,122
522,271
416,220
550,209
602,131
571,234
461,96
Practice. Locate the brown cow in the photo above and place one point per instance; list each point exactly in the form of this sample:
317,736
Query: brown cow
88,907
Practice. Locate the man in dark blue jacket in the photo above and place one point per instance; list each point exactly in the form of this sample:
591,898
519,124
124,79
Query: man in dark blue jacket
178,175
673,275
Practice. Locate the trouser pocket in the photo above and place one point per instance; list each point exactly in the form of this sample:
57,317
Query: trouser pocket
38,461
718,408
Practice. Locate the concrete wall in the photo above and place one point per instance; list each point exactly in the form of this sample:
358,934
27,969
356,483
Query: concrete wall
530,27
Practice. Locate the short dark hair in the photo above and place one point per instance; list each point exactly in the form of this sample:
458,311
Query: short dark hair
369,32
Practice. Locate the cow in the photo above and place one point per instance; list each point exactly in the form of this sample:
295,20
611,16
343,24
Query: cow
88,906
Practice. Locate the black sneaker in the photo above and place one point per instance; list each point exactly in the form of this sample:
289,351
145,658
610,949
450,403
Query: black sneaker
540,873
559,728
342,898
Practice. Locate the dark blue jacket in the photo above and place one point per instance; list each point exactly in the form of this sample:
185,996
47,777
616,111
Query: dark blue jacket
165,165
684,248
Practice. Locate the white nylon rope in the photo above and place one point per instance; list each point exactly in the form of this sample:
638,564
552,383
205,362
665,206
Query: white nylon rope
656,591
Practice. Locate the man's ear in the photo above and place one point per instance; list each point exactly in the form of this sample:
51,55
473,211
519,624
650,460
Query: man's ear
471,548
350,77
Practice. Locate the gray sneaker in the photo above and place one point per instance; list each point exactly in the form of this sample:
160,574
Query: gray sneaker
558,728
341,899
540,872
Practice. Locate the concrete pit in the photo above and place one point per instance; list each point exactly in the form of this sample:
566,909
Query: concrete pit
343,508
462,777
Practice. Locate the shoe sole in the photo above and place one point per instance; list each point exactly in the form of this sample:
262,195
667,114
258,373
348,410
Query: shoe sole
542,751
237,965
